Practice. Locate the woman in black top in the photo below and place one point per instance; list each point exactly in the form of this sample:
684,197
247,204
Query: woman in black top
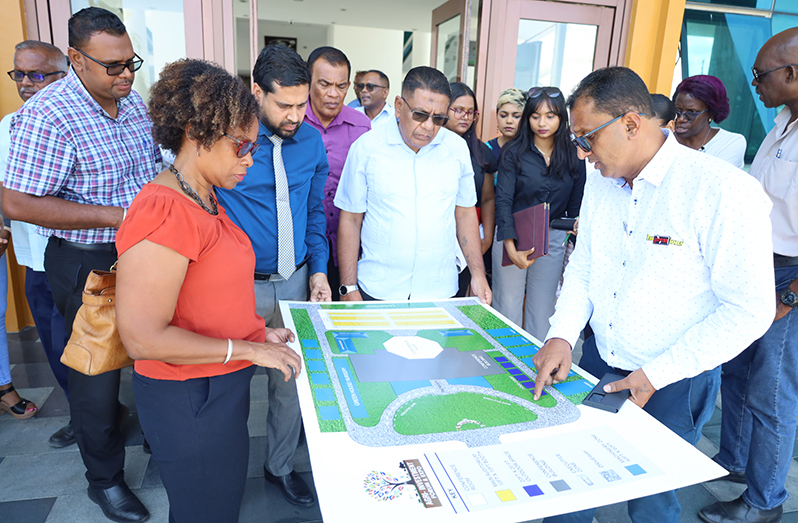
463,115
539,165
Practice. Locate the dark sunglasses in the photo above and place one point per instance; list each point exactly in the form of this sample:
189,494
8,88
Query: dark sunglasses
551,92
36,78
369,87
689,115
421,116
758,75
245,147
117,69
581,141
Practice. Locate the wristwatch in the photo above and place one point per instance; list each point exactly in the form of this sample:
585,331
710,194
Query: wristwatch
789,298
343,290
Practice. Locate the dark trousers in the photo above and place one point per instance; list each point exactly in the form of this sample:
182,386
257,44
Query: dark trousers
197,430
333,276
49,323
93,400
684,407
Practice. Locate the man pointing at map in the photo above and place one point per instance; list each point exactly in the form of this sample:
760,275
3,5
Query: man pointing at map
673,267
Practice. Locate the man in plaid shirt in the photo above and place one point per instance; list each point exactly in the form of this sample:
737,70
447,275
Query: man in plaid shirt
81,149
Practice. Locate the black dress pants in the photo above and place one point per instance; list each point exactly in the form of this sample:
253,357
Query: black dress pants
93,400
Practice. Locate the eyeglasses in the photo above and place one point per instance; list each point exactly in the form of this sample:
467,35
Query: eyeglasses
421,116
758,75
245,147
459,113
581,141
117,69
551,92
36,78
689,115
369,87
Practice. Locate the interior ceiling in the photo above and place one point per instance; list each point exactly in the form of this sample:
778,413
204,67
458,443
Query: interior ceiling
403,15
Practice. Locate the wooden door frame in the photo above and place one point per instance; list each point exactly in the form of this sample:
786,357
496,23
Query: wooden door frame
444,13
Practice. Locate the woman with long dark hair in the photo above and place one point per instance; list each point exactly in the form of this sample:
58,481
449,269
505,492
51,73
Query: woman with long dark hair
539,165
463,115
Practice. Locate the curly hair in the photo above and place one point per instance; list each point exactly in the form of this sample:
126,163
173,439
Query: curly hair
199,97
708,89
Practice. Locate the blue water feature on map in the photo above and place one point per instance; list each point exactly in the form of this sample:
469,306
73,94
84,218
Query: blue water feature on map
476,381
500,359
324,394
329,413
353,398
508,365
313,354
319,378
310,343
522,378
346,345
514,341
524,350
347,335
515,371
316,366
497,333
462,332
569,388
400,387
636,470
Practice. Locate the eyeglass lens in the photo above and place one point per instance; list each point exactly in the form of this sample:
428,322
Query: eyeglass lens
459,113
422,117
36,78
369,87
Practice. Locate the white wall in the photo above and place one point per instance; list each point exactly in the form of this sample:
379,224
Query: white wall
369,48
309,37
422,47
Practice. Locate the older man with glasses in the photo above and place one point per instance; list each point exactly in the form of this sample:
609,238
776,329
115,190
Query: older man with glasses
406,195
80,152
672,268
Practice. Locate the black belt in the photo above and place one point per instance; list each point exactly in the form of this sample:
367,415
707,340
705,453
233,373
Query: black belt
104,247
622,372
784,261
259,276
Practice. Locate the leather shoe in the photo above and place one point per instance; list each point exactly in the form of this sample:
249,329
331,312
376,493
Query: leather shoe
63,437
738,511
294,488
734,477
118,503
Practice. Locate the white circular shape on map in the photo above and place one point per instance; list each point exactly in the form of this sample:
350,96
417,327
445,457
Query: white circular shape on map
413,347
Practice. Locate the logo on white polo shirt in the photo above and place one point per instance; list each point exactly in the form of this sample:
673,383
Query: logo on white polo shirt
663,240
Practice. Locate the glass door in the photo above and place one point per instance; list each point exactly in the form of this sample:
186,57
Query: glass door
542,43
450,39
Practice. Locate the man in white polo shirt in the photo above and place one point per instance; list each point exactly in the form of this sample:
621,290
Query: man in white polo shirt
406,192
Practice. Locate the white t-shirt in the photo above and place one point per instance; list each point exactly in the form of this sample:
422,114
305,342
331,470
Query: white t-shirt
727,146
28,244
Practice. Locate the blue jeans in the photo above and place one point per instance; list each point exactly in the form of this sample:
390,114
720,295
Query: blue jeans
760,402
49,323
684,407
5,365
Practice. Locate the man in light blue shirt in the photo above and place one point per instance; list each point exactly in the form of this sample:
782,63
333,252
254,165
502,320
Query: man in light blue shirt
406,193
354,104
374,88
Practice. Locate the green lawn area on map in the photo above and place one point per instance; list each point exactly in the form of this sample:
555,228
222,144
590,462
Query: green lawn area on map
435,414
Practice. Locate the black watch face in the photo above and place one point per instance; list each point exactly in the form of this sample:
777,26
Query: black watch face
342,290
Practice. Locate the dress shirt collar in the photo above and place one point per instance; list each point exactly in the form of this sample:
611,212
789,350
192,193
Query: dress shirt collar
76,85
781,119
395,137
345,116
659,165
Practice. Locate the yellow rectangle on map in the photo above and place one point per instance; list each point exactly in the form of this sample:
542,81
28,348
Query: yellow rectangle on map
425,317
506,495
431,322
361,324
356,317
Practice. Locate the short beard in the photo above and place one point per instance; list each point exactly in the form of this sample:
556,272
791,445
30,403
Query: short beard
276,129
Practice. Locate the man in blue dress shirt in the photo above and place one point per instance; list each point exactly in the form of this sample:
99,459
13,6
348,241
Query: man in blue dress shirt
288,175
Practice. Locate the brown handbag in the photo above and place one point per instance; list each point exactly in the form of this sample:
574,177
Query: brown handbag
95,347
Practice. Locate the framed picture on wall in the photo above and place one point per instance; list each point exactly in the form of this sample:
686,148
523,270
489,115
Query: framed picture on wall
281,40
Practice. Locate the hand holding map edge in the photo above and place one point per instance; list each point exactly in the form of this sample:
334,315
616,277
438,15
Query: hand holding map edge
552,363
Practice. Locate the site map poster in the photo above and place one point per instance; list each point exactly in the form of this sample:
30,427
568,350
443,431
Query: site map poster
426,410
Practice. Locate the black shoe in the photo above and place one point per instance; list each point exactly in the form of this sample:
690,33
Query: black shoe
294,488
118,503
734,477
738,511
63,437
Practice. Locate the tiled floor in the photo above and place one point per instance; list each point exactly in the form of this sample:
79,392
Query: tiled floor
39,484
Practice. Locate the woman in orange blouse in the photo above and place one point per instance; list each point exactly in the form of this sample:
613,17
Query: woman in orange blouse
185,297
